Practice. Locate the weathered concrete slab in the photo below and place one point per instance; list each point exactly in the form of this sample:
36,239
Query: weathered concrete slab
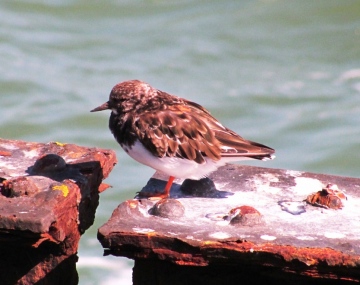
313,241
48,197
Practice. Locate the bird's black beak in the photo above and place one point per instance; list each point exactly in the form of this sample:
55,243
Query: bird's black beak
102,107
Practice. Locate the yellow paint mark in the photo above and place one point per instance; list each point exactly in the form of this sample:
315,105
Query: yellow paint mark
63,188
60,144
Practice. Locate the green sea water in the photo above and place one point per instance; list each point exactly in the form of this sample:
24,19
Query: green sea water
283,73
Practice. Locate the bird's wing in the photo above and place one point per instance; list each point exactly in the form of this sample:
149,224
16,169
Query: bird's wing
189,131
177,131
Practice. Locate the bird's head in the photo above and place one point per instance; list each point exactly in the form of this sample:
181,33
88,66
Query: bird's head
126,96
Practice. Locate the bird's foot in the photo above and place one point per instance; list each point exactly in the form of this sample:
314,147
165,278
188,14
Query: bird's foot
153,196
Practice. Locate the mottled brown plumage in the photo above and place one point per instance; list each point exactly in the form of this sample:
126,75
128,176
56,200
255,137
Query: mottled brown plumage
168,126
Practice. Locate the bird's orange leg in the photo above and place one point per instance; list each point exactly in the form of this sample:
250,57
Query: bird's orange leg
161,195
168,186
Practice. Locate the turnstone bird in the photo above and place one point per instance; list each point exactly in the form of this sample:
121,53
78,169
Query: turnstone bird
173,135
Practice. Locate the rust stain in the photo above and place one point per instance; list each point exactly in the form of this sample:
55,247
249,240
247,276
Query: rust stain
5,153
306,255
243,210
103,187
329,197
44,237
19,186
